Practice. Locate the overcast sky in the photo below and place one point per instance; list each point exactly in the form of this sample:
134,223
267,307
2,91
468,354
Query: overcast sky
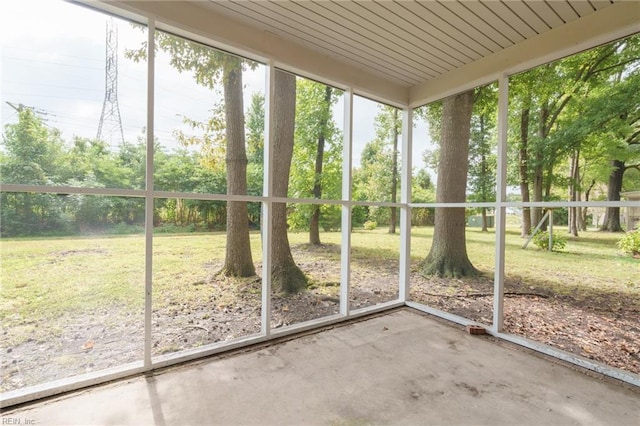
53,60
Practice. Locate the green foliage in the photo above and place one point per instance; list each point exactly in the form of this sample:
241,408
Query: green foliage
255,130
630,243
175,229
583,108
376,177
299,216
541,240
370,225
482,146
126,229
316,166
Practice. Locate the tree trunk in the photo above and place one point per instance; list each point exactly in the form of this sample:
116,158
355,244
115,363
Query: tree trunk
238,261
483,171
524,171
585,210
448,255
538,168
394,173
286,277
536,212
573,193
612,214
314,224
484,220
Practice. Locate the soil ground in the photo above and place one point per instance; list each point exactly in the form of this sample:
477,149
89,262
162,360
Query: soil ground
604,328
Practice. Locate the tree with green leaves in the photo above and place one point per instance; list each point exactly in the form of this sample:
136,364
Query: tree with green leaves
377,178
317,155
545,102
210,68
482,144
32,154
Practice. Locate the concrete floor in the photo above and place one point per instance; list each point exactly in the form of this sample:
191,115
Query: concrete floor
399,368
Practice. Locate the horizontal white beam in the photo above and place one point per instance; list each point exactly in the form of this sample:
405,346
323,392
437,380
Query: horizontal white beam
139,193
57,387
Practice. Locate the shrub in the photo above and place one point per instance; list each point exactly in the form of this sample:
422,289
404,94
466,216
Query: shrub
126,229
175,229
370,225
630,243
541,240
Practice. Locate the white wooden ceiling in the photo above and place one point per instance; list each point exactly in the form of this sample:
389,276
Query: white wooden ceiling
402,51
407,41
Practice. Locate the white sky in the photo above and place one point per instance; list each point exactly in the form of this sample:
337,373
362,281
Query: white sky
53,59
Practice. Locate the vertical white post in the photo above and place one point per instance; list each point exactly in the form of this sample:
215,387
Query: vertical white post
501,197
267,205
405,210
149,201
550,229
347,152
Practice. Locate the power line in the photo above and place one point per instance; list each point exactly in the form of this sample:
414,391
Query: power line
39,111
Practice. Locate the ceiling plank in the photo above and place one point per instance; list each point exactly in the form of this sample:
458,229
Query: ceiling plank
599,4
583,7
525,13
488,15
443,39
467,34
340,25
402,20
466,14
321,38
457,37
470,23
369,38
546,13
515,21
564,10
391,37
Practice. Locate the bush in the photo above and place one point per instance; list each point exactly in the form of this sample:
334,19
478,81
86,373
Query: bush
541,240
175,229
126,229
370,225
630,243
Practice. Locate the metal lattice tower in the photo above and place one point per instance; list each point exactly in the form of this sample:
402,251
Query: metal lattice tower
110,126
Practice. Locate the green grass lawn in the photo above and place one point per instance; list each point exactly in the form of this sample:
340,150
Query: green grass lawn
43,278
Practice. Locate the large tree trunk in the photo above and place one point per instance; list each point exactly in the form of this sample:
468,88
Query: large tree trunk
286,277
448,255
612,214
238,261
394,173
524,171
314,224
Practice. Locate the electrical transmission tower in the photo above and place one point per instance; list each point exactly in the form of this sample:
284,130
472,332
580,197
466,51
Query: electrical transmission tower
110,126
